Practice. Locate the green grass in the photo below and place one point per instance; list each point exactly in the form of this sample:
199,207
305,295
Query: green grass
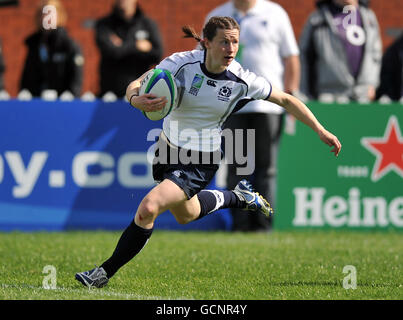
198,265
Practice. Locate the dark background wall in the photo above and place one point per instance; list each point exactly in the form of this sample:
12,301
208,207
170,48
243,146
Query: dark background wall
17,22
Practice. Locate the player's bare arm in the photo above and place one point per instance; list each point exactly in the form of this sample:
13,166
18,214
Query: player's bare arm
300,111
146,102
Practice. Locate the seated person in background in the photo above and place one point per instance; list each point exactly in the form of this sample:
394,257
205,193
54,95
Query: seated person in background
392,71
54,60
129,43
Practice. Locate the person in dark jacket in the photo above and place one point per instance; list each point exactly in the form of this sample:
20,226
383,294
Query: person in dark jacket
54,60
129,43
392,71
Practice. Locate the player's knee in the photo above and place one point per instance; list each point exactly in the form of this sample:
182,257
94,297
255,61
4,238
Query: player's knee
148,209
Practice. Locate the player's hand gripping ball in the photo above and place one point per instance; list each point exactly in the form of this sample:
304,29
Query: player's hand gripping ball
161,83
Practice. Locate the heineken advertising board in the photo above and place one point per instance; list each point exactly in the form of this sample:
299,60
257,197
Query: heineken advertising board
362,188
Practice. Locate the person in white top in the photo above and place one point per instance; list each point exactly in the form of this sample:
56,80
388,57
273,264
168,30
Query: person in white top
268,48
212,85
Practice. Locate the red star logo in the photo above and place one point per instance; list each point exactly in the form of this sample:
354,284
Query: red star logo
387,149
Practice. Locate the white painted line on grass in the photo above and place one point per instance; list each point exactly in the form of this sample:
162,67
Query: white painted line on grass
94,291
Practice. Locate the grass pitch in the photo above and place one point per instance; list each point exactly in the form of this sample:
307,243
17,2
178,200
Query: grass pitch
207,265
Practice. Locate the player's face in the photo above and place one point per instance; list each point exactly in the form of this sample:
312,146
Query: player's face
221,50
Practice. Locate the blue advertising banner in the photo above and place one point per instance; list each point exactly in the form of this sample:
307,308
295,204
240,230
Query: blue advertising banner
78,165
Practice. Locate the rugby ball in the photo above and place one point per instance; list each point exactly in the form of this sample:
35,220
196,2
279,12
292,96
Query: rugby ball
161,83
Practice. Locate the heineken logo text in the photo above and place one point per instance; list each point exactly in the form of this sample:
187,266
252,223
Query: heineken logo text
313,209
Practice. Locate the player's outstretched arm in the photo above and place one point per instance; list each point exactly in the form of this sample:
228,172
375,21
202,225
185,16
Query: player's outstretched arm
146,102
300,111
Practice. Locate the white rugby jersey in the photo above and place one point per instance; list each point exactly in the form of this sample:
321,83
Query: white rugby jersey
206,100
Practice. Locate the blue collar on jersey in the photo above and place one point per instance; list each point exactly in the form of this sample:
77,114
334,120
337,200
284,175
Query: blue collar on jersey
225,75
218,76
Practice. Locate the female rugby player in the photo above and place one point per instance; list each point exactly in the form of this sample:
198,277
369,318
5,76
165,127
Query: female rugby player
211,86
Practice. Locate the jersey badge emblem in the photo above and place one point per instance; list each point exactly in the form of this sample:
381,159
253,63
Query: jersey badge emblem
196,84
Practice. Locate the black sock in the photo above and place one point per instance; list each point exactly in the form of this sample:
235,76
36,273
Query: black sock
132,240
213,200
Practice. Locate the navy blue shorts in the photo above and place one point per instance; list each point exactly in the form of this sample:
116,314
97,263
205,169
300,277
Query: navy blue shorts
191,170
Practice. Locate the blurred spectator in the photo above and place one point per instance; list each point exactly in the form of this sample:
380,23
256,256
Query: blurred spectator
54,61
341,51
2,68
130,44
268,48
392,71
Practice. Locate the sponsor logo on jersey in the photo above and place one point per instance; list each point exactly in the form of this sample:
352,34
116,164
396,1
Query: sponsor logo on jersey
211,83
196,84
